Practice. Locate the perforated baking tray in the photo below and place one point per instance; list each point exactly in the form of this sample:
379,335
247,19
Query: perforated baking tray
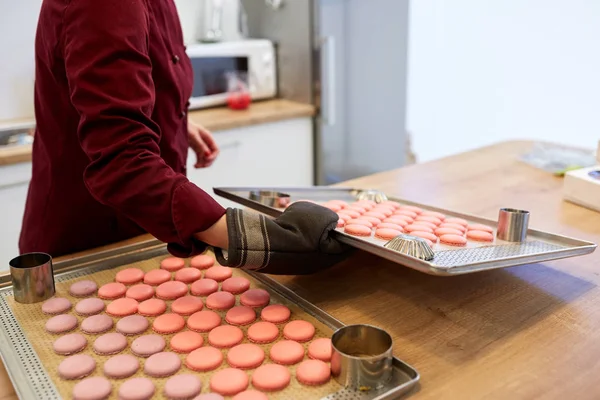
29,370
540,246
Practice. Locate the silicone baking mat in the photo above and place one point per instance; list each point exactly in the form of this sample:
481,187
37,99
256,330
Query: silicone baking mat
448,260
32,321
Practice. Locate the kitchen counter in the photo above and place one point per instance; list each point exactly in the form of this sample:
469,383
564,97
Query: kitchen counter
527,332
214,119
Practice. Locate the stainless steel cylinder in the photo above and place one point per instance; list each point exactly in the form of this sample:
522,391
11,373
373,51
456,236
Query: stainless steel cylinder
361,357
32,277
512,225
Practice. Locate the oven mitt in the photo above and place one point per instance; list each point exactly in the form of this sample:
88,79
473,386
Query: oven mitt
298,242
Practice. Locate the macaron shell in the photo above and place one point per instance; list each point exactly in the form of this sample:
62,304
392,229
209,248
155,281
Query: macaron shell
97,324
172,264
225,336
459,221
132,325
263,332
287,352
76,367
168,323
203,321
112,290
220,301
480,236
245,356
204,287
458,227
157,276
386,233
453,240
69,344
425,235
56,305
218,273
188,275
361,221
145,346
255,298
229,381
275,313
408,213
299,330
152,307
187,305
357,230
428,218
90,306
204,359
447,231
61,323
122,307
399,220
240,315
418,227
235,285
140,292
162,364
320,349
250,395
110,343
171,290
129,276
83,288
185,342
389,225
202,261
137,389
184,386
94,388
121,366
271,377
313,372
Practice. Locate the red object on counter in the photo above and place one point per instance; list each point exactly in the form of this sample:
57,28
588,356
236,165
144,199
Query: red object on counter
109,157
239,100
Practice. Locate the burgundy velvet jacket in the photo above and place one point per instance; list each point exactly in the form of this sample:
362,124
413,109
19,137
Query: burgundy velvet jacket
109,155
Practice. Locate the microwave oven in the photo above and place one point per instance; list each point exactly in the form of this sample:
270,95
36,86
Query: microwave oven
254,59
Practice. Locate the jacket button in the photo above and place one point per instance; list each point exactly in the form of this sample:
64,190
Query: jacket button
175,58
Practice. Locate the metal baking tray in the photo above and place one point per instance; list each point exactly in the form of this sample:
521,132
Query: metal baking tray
540,246
31,381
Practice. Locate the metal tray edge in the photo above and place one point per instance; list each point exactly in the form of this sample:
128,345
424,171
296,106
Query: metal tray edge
155,248
583,247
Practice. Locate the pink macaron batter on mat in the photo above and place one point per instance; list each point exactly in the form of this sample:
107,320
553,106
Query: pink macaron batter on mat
33,322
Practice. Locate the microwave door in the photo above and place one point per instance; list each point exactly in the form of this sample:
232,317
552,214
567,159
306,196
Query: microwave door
211,79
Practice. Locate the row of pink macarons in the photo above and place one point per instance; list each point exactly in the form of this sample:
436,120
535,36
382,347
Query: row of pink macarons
390,219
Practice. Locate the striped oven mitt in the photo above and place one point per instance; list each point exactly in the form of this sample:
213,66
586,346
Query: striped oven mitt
298,242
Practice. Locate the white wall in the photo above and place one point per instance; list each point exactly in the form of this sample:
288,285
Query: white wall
482,71
18,21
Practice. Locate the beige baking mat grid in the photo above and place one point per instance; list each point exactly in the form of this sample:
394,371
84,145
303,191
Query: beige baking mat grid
33,321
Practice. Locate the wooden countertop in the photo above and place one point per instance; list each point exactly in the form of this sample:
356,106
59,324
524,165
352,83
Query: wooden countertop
527,332
214,119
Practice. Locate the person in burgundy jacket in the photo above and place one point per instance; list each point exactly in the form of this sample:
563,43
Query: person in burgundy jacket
110,147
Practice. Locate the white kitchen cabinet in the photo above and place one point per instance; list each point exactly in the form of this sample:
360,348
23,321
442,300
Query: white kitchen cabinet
272,154
14,182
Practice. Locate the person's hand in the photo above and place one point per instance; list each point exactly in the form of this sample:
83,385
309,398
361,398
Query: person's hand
298,242
203,144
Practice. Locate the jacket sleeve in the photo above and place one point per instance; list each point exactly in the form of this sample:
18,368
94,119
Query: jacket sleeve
109,72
